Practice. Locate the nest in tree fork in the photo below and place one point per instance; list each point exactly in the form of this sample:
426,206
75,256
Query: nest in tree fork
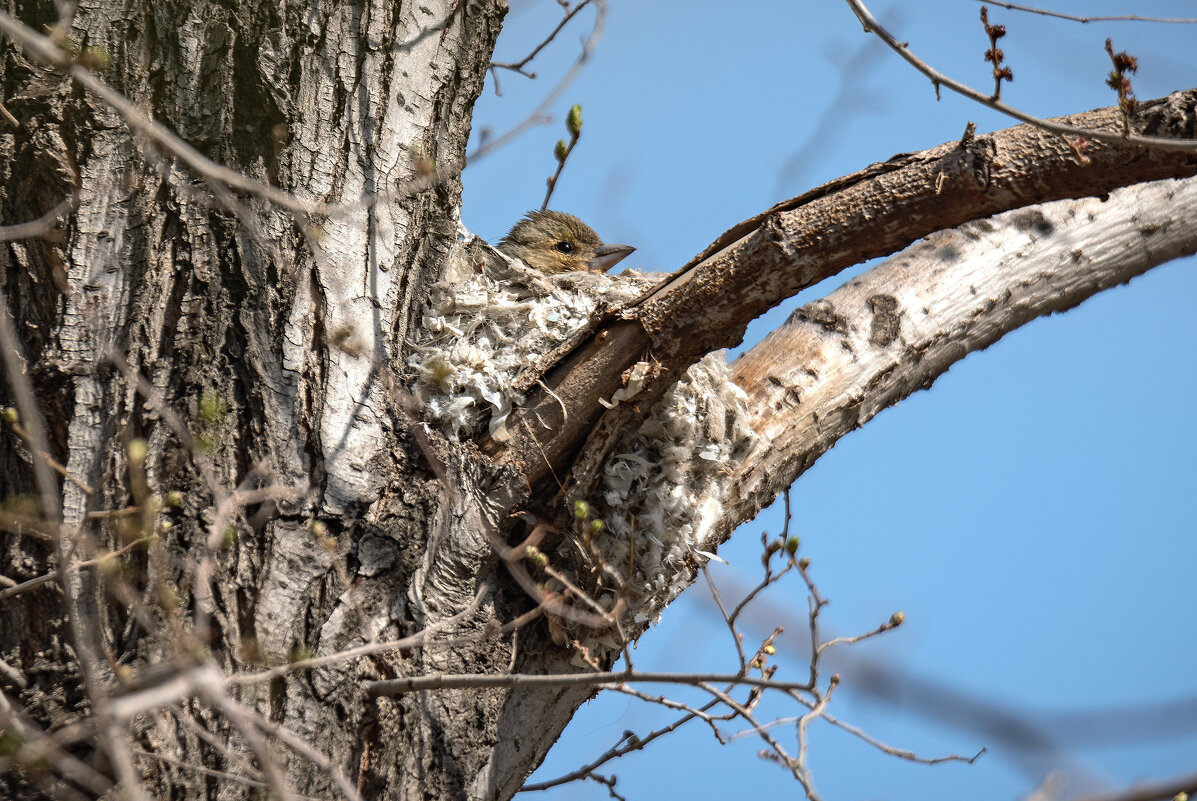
662,490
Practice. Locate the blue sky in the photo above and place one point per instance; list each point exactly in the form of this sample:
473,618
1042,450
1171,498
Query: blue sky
1031,514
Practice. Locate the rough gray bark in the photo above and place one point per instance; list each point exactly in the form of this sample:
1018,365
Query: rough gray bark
278,340
225,302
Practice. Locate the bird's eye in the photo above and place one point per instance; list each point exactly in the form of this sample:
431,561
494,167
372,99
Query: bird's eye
564,247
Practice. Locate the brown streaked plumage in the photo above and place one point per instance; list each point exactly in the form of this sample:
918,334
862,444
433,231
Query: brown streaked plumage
555,242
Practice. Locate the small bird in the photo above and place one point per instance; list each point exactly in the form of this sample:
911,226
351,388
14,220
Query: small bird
554,242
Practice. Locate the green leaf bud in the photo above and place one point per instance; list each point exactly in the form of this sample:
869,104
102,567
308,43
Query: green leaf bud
573,121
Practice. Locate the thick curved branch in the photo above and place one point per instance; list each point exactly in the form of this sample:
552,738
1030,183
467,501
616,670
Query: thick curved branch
840,360
709,302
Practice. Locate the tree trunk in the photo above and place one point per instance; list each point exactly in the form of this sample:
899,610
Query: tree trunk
234,388
236,317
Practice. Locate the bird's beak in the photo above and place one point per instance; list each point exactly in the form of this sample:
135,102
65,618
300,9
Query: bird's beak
607,256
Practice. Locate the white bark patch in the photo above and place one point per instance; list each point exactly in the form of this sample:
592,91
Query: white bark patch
96,305
371,155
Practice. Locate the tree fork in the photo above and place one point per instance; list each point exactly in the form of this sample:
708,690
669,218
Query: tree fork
708,303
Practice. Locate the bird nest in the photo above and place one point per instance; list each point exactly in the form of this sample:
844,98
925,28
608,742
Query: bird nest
487,321
662,490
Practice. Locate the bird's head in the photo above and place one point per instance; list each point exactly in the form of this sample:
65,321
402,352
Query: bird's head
554,242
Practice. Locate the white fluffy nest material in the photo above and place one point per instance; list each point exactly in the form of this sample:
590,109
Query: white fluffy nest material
490,318
664,488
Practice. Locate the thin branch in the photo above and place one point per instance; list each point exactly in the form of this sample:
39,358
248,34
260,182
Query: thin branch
995,56
561,152
418,639
817,710
22,389
240,498
443,681
778,753
250,717
901,753
159,405
626,744
36,748
718,599
608,782
1114,18
41,225
58,468
218,774
537,116
518,66
939,79
47,578
889,625
243,720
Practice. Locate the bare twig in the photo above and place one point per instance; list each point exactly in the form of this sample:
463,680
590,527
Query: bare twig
35,747
537,116
246,717
573,124
889,625
1113,18
244,721
939,79
817,710
41,225
518,66
901,753
418,639
775,752
240,498
443,681
737,640
218,774
176,425
626,744
807,694
47,578
35,429
994,54
18,429
1119,80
